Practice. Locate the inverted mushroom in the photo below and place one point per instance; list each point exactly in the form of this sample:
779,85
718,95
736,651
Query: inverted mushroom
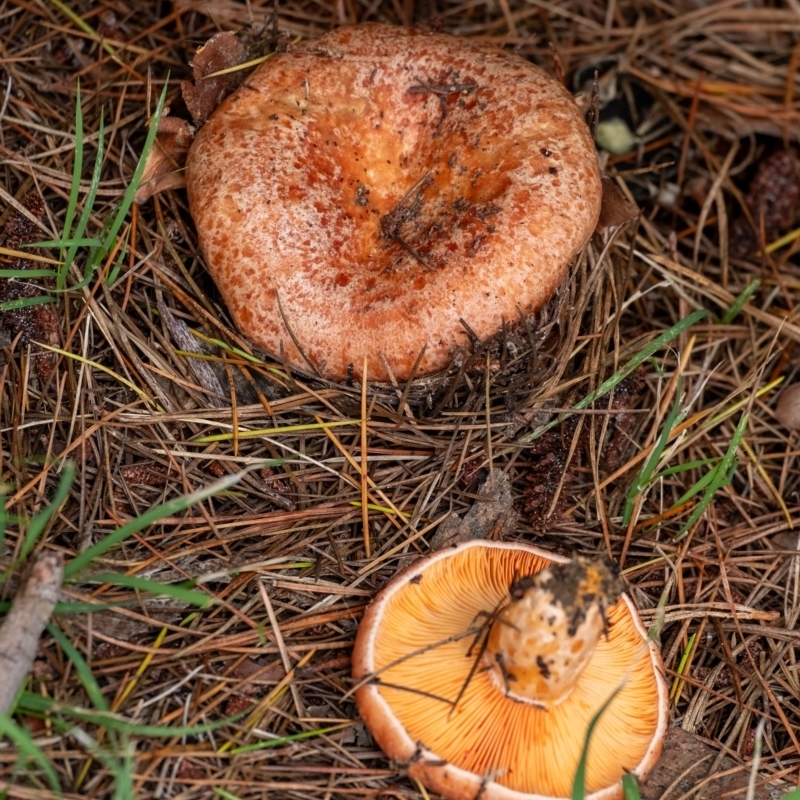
370,192
481,666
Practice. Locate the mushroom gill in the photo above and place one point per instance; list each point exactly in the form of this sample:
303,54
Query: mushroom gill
425,661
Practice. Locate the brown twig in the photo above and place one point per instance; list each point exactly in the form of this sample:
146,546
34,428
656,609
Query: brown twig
23,625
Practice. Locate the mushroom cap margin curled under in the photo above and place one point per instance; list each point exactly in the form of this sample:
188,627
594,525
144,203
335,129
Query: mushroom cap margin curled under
494,728
364,192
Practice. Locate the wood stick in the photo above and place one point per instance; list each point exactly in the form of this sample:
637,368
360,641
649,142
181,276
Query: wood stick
29,614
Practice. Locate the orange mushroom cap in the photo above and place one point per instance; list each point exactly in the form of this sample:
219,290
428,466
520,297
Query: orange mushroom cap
468,724
365,194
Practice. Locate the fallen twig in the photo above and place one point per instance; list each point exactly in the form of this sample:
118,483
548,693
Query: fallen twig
24,623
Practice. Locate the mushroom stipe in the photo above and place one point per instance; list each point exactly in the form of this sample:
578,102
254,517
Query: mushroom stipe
393,189
481,666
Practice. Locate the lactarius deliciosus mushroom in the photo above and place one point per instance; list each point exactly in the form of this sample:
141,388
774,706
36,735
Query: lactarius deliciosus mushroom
365,194
481,666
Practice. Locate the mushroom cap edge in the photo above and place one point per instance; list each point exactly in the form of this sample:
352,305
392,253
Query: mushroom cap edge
422,763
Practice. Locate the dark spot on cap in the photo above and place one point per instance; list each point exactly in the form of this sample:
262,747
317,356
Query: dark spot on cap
543,668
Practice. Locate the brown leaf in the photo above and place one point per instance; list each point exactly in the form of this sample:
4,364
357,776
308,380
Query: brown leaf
615,209
164,167
222,51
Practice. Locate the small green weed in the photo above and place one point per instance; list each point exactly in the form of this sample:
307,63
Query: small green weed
111,743
623,372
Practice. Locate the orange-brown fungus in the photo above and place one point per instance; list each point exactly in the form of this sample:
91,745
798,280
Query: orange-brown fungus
542,640
363,192
417,642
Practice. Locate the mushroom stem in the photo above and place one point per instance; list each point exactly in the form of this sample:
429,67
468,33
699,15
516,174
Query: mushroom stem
541,641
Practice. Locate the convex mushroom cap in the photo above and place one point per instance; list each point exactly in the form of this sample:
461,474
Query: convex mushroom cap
365,194
481,667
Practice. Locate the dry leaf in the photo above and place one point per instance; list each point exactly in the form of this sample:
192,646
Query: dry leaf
165,162
615,210
222,51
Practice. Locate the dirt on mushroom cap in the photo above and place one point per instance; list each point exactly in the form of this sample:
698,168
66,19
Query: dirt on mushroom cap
363,193
527,748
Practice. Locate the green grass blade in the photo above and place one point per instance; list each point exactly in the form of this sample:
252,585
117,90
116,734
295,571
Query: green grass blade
84,26
721,480
630,787
148,518
645,476
737,305
723,475
176,591
33,703
77,171
25,302
127,198
37,525
579,783
28,273
706,480
123,252
678,468
665,338
85,608
83,242
282,740
88,680
4,516
88,203
225,794
27,747
73,608
793,795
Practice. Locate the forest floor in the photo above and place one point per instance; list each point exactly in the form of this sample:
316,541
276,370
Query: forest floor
210,503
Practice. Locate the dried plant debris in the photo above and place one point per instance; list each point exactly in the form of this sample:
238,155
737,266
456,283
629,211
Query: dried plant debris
32,323
165,164
221,52
164,169
625,398
294,531
547,475
143,475
721,678
772,199
688,761
552,480
615,209
490,518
